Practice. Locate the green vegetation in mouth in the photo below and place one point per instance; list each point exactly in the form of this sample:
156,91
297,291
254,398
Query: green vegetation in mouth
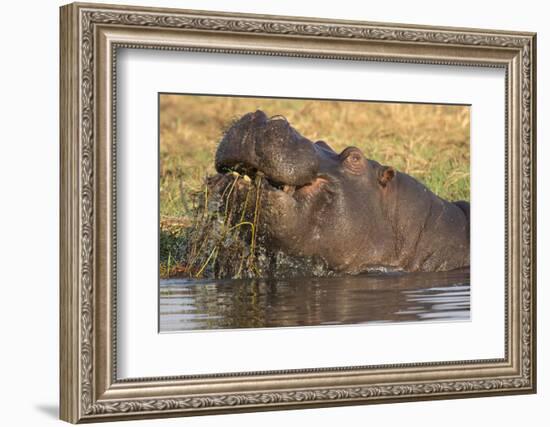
429,142
221,240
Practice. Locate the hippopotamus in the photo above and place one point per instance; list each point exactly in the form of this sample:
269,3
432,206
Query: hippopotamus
353,213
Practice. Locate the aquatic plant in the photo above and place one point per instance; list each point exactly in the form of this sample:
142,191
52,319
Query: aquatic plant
222,240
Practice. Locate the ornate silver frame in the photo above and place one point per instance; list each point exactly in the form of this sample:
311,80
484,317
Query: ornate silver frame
90,36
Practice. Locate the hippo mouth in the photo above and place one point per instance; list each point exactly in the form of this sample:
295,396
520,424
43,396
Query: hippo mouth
270,185
268,148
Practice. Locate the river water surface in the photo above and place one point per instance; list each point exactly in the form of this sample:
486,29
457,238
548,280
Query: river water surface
257,303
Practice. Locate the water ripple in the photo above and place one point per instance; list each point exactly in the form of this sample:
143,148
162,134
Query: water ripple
256,303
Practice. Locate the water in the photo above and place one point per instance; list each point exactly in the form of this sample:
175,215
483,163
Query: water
258,303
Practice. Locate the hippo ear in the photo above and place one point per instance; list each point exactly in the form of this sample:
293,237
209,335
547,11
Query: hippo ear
385,175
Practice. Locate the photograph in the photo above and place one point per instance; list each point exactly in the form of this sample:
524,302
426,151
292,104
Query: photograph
292,212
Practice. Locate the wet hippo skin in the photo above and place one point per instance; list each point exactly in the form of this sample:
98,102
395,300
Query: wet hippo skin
352,212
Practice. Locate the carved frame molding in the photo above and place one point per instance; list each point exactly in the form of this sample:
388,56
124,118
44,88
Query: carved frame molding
90,37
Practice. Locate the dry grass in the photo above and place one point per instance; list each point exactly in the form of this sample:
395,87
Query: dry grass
429,142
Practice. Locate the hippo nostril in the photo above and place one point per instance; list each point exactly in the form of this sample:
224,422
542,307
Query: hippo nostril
258,116
278,117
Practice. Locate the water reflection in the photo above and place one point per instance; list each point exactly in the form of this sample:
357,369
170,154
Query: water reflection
252,303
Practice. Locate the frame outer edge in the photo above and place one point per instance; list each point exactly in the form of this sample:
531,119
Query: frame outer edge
533,201
69,354
77,339
305,19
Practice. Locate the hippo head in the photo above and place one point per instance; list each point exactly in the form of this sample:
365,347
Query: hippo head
353,213
315,202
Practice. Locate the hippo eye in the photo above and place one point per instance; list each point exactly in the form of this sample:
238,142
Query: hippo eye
353,160
354,157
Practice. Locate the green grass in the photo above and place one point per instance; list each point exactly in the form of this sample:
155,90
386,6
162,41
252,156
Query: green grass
429,142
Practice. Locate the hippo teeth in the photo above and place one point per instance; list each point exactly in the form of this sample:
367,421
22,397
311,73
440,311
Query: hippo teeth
247,177
289,189
250,175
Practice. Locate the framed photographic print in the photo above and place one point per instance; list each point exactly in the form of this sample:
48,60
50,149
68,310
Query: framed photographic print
265,212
